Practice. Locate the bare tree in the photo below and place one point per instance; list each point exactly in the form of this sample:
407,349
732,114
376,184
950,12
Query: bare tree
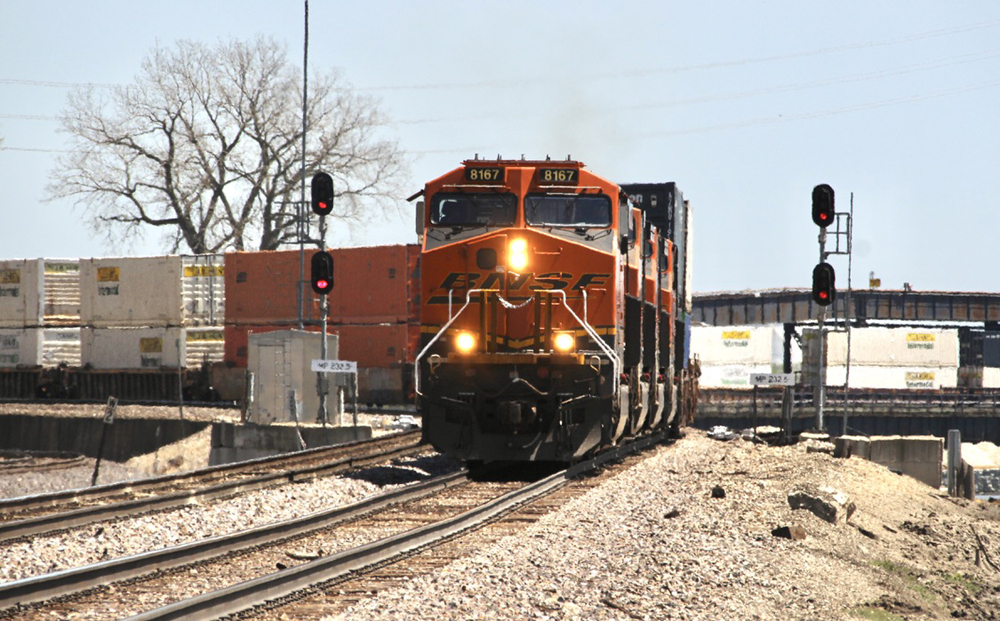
206,145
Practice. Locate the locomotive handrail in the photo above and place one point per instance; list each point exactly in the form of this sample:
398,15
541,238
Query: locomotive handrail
615,360
451,320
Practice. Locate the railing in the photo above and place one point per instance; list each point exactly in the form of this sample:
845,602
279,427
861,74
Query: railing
488,300
858,401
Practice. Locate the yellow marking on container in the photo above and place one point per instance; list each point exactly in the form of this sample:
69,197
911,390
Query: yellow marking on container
61,268
920,336
919,376
205,335
198,271
732,335
151,345
10,277
108,274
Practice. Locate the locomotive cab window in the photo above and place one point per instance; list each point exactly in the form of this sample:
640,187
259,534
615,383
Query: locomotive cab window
569,210
473,209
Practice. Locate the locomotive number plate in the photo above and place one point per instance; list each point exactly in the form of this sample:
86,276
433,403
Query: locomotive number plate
558,176
481,174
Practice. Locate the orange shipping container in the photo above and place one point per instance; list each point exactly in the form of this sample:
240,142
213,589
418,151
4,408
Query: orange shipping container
382,346
372,285
261,289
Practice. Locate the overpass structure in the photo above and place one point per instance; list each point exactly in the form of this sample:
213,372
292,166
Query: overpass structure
794,306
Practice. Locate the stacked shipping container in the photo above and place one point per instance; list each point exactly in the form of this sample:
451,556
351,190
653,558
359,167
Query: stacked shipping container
39,313
730,354
895,358
152,312
373,309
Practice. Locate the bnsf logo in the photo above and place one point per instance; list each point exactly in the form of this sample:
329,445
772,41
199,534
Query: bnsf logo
514,282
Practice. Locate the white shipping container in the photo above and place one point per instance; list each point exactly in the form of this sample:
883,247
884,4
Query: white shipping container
132,348
731,376
281,364
204,345
20,347
32,347
61,300
738,345
20,293
991,377
60,346
899,378
152,291
894,347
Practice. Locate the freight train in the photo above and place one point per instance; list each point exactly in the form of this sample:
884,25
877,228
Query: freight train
551,311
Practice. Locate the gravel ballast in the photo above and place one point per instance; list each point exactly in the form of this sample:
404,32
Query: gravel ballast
655,542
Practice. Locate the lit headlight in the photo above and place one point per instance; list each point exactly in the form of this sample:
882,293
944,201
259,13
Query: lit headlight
465,342
565,341
517,257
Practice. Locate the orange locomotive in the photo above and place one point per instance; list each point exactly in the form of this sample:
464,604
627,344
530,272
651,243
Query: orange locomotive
547,313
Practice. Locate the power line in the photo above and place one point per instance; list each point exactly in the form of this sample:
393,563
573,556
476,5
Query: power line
31,150
876,75
53,84
699,67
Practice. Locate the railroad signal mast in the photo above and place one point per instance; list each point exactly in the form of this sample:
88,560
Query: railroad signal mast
824,281
321,274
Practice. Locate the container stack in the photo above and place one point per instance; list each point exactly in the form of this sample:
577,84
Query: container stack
729,355
39,313
895,358
373,309
152,312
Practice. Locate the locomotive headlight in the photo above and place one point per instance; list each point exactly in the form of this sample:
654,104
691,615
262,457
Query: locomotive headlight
465,342
565,341
517,256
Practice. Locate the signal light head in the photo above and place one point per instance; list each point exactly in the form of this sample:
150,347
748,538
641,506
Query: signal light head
322,193
824,286
823,211
321,274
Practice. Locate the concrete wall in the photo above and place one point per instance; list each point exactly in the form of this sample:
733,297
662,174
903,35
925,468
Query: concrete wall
128,438
232,443
125,439
917,456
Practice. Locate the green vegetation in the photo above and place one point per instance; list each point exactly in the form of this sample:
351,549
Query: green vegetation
908,576
876,614
966,582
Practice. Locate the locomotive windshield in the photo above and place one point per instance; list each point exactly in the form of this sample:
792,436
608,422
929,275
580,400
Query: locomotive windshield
571,210
473,209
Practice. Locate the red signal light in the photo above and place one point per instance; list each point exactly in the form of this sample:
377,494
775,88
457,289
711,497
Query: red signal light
823,205
322,272
322,193
824,287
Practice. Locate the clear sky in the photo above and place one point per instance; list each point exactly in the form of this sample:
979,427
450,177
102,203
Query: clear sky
746,105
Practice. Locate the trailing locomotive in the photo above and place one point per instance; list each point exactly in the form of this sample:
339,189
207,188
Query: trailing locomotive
548,313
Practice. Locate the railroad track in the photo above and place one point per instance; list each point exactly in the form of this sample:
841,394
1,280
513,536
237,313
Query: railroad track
323,563
34,515
15,462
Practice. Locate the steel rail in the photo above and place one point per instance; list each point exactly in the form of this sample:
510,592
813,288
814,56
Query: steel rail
255,592
89,515
147,484
79,579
